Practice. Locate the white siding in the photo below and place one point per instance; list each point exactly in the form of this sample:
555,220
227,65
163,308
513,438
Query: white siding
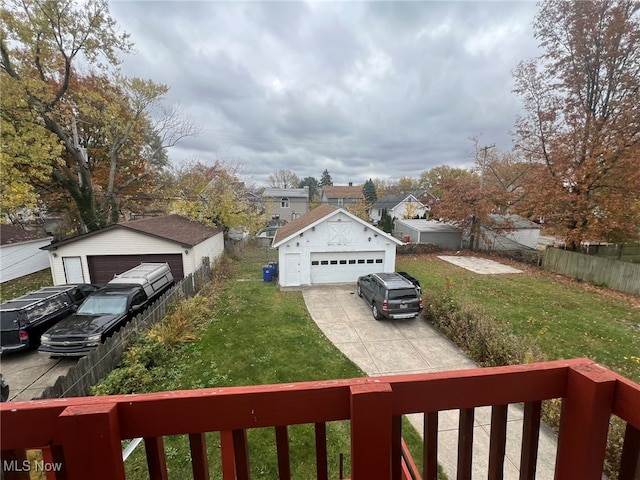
122,242
339,234
212,247
20,259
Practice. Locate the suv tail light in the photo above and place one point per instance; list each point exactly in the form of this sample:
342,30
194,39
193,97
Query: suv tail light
421,303
385,305
23,335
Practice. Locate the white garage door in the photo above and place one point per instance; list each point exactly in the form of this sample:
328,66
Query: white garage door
344,266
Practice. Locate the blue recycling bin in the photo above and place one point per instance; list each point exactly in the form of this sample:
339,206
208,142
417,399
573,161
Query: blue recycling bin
267,273
274,266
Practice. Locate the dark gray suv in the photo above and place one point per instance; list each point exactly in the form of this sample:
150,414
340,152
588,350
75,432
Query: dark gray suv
391,295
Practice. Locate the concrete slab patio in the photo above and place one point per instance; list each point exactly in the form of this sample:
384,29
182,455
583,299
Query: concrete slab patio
412,346
483,266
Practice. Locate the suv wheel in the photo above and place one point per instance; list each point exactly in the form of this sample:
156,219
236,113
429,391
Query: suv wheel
359,290
376,312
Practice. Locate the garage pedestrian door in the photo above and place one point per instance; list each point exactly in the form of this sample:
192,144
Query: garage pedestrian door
102,268
344,266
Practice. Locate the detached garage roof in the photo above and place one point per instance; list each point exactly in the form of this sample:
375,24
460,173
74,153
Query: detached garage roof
316,216
173,228
429,226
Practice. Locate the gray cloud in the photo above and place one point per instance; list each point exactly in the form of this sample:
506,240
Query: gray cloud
372,89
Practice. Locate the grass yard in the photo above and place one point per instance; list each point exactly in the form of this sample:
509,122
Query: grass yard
26,284
566,318
256,335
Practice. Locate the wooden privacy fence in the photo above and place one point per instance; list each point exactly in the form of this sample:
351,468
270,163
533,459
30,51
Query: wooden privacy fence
614,274
94,367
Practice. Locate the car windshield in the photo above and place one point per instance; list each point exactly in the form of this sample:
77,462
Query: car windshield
101,305
402,293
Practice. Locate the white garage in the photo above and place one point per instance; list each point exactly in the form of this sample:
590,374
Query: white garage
331,245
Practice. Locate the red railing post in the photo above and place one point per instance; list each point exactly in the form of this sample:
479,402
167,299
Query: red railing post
90,435
584,423
371,412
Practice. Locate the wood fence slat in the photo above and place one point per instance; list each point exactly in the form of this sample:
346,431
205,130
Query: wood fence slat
199,461
282,446
430,447
322,464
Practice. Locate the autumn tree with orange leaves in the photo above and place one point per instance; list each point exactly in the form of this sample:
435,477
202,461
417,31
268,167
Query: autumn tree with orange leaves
581,124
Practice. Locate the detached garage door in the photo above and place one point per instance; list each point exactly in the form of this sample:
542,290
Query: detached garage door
102,268
344,266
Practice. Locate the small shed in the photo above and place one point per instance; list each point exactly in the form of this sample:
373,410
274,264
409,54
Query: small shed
331,245
445,235
20,252
97,256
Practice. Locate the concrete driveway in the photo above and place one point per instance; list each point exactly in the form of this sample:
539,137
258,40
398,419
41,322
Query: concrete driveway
411,346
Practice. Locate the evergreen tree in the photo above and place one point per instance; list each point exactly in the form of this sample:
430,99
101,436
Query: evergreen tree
325,179
313,185
369,191
386,222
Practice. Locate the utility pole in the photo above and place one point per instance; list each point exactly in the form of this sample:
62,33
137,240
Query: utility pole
484,163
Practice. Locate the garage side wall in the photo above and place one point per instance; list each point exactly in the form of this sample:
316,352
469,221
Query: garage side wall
339,239
212,248
113,242
20,259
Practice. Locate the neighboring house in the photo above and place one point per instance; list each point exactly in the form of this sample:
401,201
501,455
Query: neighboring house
342,195
445,235
331,245
96,257
20,252
509,232
398,206
283,205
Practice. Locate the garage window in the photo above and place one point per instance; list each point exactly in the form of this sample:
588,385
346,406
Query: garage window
378,260
324,262
352,262
343,262
333,262
360,260
369,260
315,262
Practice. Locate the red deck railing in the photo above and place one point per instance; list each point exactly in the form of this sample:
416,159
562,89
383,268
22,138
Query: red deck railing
84,434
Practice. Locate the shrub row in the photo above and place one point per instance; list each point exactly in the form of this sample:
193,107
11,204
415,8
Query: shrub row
417,249
486,340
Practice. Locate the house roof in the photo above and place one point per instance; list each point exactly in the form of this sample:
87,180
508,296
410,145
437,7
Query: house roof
286,192
431,226
391,201
10,234
513,221
173,228
343,191
316,216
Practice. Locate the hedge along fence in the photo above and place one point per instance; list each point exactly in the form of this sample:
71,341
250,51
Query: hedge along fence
614,274
94,367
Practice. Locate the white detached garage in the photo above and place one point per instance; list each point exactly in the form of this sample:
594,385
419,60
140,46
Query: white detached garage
331,245
97,256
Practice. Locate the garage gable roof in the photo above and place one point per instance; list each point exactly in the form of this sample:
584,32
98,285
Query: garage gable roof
173,228
315,217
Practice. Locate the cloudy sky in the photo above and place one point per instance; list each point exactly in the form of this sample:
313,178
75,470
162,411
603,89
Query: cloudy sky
364,89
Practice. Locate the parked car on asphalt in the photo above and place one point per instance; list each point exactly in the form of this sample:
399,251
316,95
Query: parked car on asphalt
105,311
24,319
390,295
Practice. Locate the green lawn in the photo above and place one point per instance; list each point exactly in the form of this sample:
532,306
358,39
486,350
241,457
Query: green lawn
26,284
566,319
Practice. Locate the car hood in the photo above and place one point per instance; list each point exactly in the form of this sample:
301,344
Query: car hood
78,324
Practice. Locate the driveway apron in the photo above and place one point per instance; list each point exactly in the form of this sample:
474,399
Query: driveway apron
392,347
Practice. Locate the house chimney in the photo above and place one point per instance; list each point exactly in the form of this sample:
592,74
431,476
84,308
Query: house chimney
351,184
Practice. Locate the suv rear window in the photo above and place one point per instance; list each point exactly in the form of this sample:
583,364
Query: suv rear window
402,293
